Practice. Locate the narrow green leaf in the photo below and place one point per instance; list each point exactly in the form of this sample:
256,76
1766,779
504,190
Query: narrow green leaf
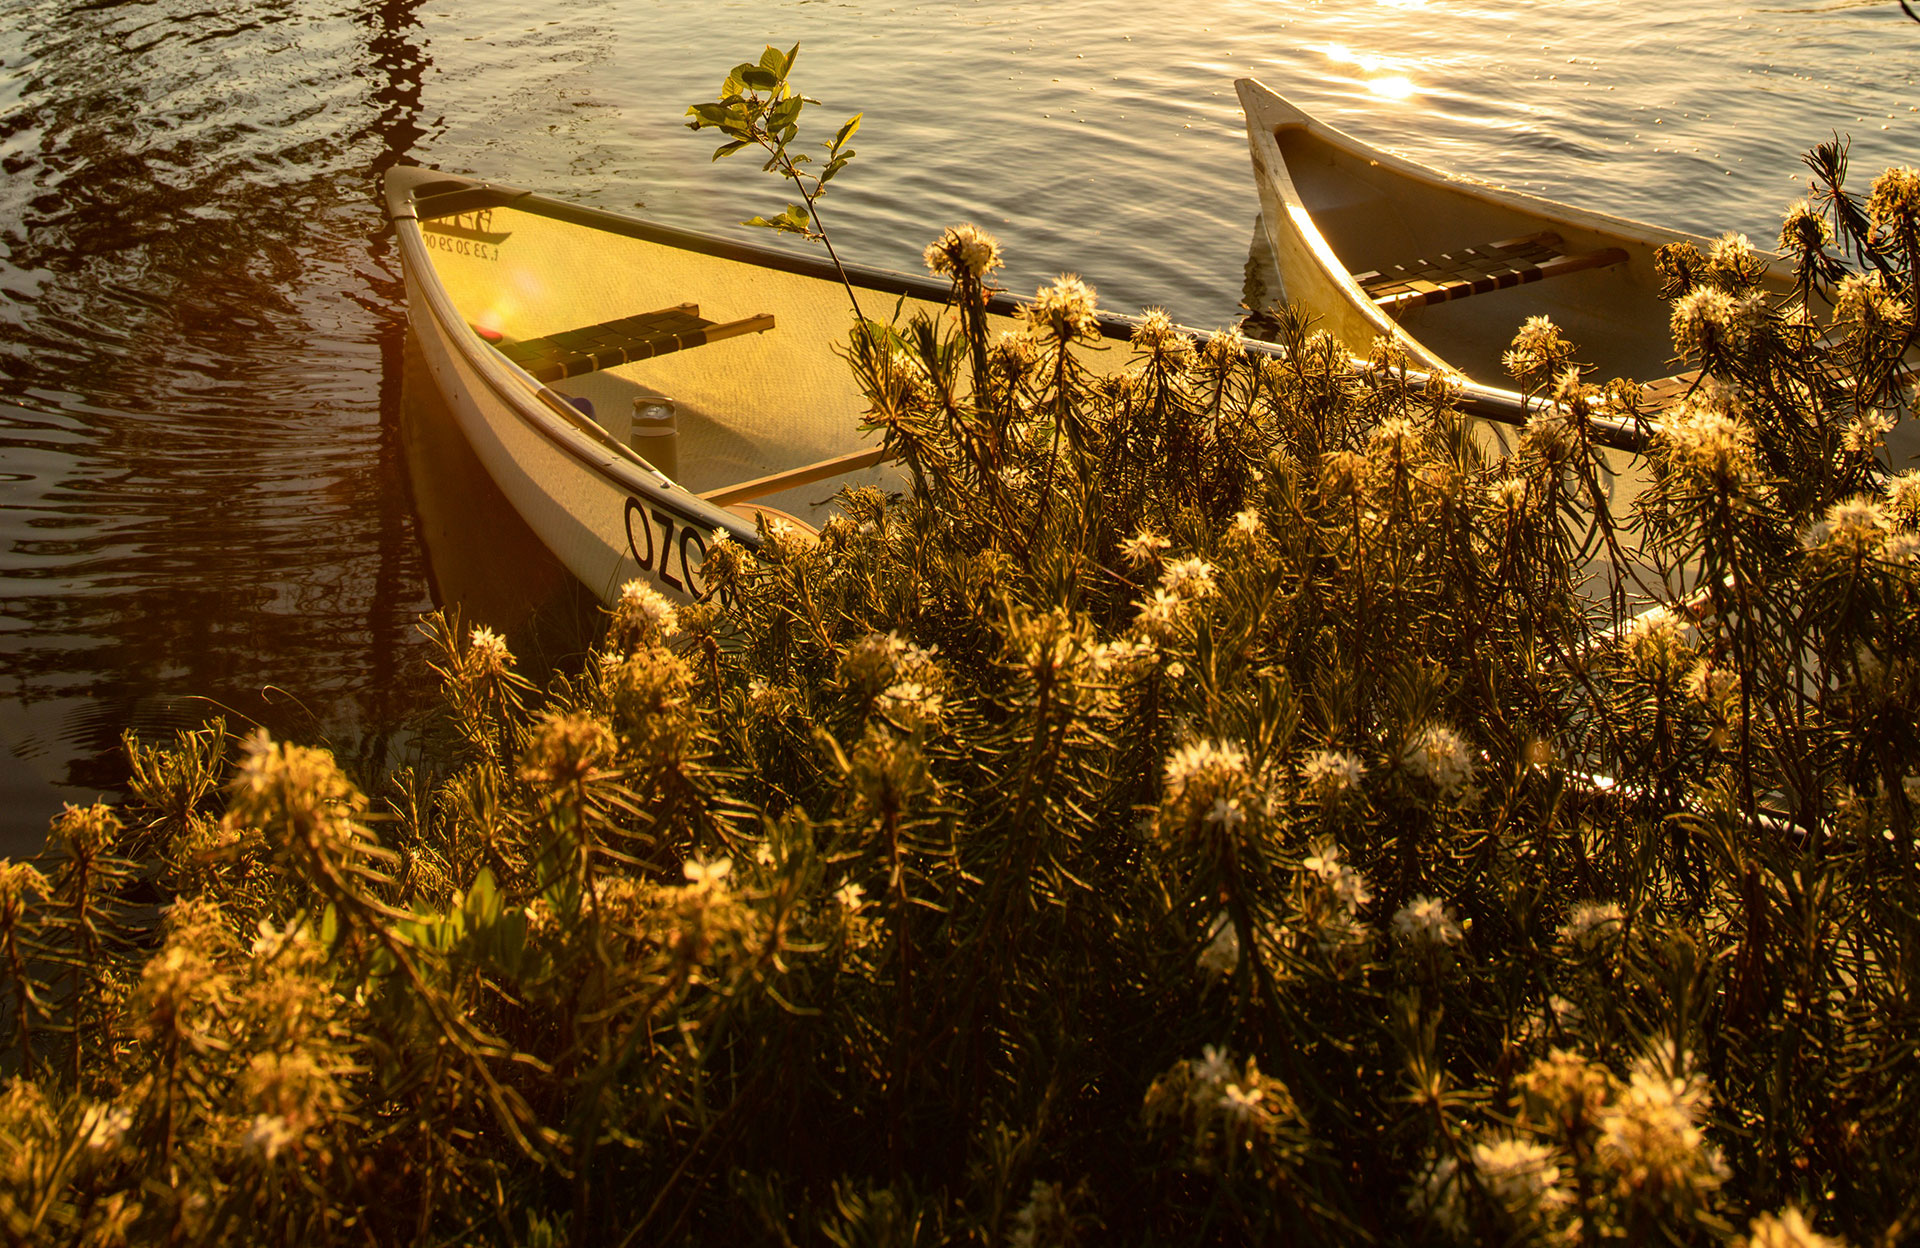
793,54
728,149
846,132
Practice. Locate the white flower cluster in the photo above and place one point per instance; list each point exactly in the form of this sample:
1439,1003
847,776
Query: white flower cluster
1044,1221
1329,773
1787,1229
910,704
1109,658
1709,445
1143,547
1212,766
487,653
1903,495
1063,311
1157,334
880,660
707,876
1865,432
1651,1136
1590,925
1188,578
1522,1177
1331,901
1852,524
268,1137
1426,923
1655,642
1438,753
1216,1087
1159,614
1339,879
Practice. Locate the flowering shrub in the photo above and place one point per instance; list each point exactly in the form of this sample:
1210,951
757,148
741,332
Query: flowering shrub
1223,802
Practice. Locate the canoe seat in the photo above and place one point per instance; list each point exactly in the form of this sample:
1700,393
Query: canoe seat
1476,270
611,343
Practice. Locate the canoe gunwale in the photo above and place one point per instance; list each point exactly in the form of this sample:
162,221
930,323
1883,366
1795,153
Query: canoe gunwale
475,194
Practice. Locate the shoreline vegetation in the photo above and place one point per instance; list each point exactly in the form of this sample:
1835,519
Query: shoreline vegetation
1221,802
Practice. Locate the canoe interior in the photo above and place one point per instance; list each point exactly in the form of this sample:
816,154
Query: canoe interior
748,406
1374,217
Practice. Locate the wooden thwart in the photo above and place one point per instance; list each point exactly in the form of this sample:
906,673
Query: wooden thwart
824,470
1477,270
1657,396
611,343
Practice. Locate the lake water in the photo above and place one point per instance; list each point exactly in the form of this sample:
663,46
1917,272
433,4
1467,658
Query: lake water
205,494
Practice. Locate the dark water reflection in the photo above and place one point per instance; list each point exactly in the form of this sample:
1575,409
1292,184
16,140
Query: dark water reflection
202,347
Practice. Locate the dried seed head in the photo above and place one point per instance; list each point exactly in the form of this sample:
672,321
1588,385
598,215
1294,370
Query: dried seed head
20,883
84,832
487,654
1063,311
1711,447
1804,229
566,749
642,616
1158,337
1864,303
963,249
1851,526
1894,201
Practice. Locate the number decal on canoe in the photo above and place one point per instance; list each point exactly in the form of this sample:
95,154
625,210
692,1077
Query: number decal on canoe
645,561
689,533
666,548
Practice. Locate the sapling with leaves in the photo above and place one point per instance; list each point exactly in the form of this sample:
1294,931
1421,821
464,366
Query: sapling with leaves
758,107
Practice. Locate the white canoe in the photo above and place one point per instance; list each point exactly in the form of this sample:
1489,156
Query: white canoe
547,327
1377,245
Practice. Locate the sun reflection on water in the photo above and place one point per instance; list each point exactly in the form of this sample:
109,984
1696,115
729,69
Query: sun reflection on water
1377,72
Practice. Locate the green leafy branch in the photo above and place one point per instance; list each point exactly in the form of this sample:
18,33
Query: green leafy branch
758,107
